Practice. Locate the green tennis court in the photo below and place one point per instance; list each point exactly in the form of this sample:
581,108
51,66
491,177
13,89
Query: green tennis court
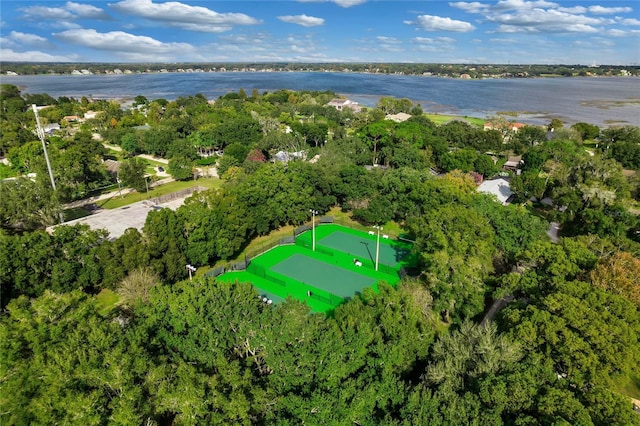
335,280
266,288
364,248
326,277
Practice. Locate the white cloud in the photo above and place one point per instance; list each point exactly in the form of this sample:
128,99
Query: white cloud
542,16
537,20
86,11
295,44
438,23
504,41
621,33
522,5
341,3
129,46
432,45
176,14
631,21
389,44
349,3
304,20
389,40
574,9
471,7
70,11
25,39
241,39
600,41
601,10
33,56
437,40
42,12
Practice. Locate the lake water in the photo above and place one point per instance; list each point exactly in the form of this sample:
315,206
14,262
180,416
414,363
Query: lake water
598,100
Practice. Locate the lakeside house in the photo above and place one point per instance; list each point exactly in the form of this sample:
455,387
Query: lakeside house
508,127
340,104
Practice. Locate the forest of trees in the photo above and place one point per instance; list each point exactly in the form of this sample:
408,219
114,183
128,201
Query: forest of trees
565,350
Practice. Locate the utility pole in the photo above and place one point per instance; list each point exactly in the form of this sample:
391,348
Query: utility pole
46,155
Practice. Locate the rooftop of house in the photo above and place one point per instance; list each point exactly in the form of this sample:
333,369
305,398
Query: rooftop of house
498,187
399,117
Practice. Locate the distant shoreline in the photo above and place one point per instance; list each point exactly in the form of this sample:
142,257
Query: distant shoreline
600,101
461,71
8,74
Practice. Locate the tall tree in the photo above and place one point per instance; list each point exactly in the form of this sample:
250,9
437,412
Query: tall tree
132,174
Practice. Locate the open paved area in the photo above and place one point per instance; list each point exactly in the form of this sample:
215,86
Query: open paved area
116,221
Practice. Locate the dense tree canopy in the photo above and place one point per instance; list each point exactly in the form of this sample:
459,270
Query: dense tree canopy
169,351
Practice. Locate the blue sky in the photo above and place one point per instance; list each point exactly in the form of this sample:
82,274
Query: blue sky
505,31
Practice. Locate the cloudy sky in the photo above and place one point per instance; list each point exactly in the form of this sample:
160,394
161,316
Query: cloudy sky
504,31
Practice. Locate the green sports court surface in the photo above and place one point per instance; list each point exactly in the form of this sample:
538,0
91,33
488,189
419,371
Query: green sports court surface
338,281
364,248
328,276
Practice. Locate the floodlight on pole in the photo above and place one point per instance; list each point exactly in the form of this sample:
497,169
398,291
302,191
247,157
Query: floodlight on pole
40,131
313,229
379,228
191,269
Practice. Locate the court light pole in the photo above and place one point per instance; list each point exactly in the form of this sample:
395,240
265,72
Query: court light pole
41,136
191,269
379,228
313,229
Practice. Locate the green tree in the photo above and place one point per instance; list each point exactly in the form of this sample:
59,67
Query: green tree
586,130
531,136
377,135
470,353
619,274
484,165
136,287
87,370
563,326
26,204
181,168
457,248
130,143
132,174
462,160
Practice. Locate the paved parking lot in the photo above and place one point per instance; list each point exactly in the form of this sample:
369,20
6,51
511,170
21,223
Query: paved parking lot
116,221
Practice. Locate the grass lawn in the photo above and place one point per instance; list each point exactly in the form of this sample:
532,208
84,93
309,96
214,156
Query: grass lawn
590,144
441,119
107,300
116,202
628,385
392,228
